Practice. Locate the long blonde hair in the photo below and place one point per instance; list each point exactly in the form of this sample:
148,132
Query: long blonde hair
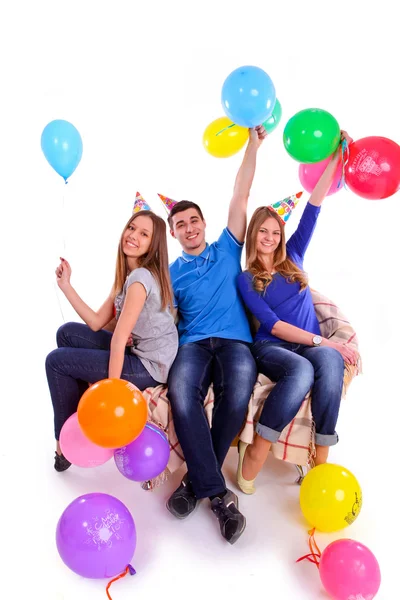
282,264
155,260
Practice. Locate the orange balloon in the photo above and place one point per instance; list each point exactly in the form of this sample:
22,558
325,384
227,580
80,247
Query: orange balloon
112,413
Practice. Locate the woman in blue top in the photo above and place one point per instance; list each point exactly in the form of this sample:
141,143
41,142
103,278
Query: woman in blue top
288,346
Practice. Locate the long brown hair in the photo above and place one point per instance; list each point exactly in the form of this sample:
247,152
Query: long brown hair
155,260
282,264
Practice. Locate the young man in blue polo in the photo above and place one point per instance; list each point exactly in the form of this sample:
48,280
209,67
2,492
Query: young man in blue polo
214,348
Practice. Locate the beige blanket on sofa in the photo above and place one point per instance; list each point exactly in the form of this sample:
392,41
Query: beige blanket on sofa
296,443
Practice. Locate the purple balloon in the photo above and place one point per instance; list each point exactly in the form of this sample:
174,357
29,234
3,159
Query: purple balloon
96,536
146,457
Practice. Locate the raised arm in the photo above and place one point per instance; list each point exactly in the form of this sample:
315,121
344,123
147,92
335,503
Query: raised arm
237,219
94,320
322,188
299,241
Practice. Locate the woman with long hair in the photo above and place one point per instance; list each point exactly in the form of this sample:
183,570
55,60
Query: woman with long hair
140,299
288,345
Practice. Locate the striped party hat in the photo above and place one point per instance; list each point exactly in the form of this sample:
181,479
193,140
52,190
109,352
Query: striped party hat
140,204
284,208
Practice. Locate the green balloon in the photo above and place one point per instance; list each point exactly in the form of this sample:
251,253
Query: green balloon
311,135
273,121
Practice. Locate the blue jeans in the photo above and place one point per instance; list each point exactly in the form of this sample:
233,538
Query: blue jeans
82,357
296,369
229,365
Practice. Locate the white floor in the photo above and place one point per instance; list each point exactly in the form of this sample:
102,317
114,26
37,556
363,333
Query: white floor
141,81
175,557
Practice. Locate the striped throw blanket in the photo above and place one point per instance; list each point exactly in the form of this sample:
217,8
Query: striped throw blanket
296,443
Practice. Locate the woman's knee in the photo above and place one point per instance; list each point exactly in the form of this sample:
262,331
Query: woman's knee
304,374
330,362
52,360
64,332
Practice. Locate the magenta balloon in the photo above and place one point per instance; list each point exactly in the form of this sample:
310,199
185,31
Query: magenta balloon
348,569
96,536
146,457
310,174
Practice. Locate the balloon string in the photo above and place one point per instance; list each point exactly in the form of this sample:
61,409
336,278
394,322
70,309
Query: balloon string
63,223
129,569
315,552
56,291
345,160
225,128
63,240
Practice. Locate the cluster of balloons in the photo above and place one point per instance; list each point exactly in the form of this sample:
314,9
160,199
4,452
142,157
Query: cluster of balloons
96,535
331,500
62,146
111,422
370,166
248,99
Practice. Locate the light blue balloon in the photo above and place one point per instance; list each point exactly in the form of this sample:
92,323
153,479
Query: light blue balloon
248,96
62,147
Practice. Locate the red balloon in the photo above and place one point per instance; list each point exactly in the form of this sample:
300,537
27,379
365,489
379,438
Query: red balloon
373,169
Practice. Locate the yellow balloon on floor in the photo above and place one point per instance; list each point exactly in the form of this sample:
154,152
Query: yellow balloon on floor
222,138
330,497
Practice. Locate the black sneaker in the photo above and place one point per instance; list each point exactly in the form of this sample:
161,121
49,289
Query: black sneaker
231,521
61,463
183,501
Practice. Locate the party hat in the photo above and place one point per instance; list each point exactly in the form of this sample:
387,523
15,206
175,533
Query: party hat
284,208
168,203
140,204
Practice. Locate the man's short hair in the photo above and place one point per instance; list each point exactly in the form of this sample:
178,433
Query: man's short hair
180,207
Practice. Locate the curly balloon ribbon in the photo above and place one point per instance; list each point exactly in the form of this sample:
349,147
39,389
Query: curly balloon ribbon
315,552
225,128
129,569
345,160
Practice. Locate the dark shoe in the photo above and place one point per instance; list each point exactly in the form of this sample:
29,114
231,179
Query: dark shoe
232,523
61,463
183,501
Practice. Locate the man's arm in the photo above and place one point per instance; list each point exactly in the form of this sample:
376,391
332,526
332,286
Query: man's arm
237,219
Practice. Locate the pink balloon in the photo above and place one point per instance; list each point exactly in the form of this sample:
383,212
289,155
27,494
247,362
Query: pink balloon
78,449
310,174
349,571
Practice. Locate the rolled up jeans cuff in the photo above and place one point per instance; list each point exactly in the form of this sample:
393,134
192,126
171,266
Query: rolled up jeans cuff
267,433
326,440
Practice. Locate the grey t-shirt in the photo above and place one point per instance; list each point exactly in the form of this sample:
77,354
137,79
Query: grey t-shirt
155,337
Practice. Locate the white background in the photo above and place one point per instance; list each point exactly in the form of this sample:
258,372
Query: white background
141,81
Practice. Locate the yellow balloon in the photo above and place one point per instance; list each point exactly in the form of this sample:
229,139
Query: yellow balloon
330,497
222,138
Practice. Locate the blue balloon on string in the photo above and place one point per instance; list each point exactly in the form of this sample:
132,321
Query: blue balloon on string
248,96
62,146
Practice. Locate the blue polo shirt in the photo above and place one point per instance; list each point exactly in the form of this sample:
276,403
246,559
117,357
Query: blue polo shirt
206,294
